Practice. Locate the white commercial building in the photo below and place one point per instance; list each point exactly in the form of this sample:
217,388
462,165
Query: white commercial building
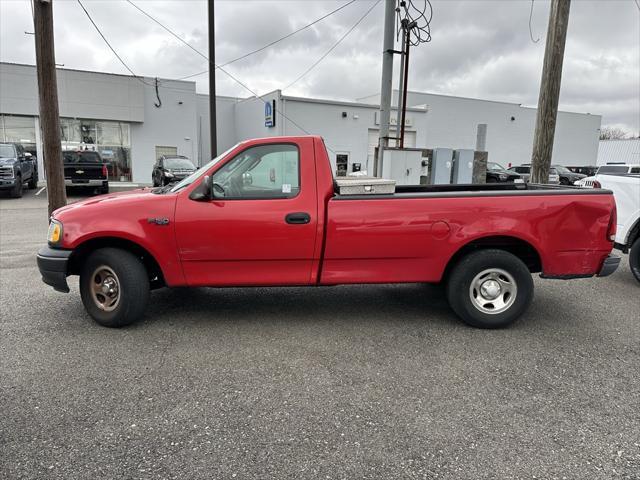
131,121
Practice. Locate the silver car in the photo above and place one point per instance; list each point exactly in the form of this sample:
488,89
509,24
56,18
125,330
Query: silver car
525,172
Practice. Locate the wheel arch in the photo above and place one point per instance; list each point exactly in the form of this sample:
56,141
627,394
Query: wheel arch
83,250
522,249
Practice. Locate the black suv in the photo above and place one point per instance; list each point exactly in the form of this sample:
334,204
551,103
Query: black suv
16,168
171,168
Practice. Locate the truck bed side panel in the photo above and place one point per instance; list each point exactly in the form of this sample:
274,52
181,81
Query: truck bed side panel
413,239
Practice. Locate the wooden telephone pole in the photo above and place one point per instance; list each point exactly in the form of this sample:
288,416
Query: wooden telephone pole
48,96
549,91
212,82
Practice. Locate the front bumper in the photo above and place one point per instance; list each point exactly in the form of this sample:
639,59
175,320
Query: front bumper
53,264
609,265
7,183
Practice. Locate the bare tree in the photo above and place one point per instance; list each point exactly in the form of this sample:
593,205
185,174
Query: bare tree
613,133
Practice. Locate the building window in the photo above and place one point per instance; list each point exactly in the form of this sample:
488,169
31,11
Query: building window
110,139
17,129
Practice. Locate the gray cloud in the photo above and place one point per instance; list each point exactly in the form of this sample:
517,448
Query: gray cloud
479,48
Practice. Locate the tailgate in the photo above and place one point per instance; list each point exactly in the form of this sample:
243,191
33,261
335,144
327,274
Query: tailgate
83,171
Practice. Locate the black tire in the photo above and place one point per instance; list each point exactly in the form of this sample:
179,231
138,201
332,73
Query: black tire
131,279
33,181
469,268
16,191
564,181
492,180
104,189
634,259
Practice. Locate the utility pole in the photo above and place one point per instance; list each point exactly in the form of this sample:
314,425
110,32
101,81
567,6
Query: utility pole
48,97
387,81
212,82
549,91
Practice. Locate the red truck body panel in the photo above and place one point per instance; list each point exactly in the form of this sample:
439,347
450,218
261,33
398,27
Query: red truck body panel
400,238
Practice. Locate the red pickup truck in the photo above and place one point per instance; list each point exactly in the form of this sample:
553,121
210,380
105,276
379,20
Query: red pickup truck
266,212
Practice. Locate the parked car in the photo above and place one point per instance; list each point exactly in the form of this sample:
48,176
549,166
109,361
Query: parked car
525,172
169,169
567,177
587,171
17,167
496,173
266,212
626,191
85,168
609,169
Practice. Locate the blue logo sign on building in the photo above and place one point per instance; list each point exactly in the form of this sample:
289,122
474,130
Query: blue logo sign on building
270,114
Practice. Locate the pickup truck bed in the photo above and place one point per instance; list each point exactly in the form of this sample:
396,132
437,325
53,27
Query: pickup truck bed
266,213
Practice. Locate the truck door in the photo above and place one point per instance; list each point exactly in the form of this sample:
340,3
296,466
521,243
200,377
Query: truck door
260,227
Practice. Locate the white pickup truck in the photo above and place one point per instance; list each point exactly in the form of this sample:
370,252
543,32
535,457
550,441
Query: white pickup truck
626,191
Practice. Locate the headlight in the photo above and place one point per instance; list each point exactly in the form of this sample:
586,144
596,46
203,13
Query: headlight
54,236
168,174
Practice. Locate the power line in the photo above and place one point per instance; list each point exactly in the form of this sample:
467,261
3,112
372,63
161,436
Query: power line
530,19
109,45
268,45
333,46
223,70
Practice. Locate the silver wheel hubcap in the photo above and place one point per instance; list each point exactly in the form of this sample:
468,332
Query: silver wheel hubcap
493,291
105,288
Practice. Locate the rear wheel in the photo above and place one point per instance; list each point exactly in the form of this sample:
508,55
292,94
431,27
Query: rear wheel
634,259
105,188
114,286
33,181
490,288
16,192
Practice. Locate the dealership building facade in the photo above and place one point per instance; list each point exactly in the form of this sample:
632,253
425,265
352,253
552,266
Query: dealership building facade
131,121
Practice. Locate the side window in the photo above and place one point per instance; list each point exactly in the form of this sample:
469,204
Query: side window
635,170
261,172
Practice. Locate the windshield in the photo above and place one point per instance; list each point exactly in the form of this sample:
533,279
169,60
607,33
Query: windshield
494,166
562,169
7,151
81,157
199,173
613,169
179,164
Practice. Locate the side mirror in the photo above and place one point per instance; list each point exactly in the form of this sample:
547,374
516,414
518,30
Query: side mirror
204,191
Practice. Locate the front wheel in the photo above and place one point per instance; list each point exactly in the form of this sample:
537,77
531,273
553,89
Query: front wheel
16,191
490,288
634,259
114,286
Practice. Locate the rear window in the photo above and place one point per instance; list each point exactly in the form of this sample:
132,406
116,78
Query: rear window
81,157
522,169
613,169
179,163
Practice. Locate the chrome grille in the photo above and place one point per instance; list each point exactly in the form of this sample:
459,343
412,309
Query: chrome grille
6,172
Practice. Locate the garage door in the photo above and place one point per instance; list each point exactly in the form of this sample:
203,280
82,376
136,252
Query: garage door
409,142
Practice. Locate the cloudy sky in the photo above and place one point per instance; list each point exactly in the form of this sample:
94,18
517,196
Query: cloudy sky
479,48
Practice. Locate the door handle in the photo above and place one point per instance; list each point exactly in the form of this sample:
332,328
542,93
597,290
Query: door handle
298,218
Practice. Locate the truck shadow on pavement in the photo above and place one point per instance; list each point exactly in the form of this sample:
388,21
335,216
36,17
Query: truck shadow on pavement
374,303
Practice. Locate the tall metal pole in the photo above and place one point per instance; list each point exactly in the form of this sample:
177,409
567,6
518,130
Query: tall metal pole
406,86
400,86
387,80
212,81
48,98
549,91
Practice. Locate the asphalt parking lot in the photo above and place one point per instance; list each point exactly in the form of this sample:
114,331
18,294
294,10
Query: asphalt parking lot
342,382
